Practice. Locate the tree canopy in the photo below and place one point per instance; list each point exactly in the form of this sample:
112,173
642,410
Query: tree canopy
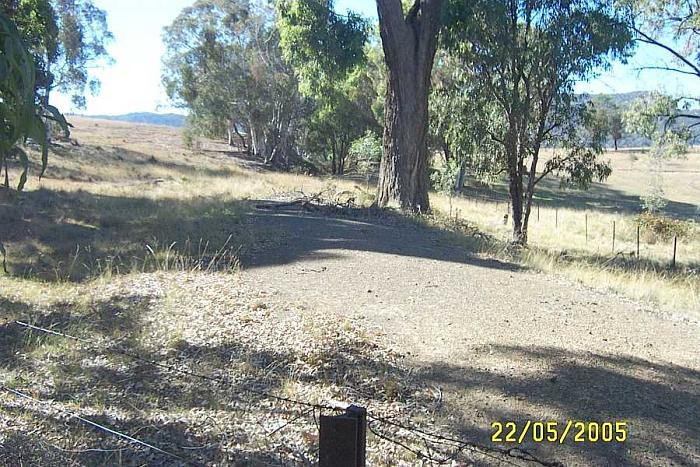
66,38
524,58
22,113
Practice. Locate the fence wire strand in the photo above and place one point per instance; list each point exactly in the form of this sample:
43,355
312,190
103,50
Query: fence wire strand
459,445
221,379
516,453
93,424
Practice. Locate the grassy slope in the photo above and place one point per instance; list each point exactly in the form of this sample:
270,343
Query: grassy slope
558,233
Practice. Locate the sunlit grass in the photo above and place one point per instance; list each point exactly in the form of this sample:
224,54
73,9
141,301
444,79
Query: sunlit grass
560,243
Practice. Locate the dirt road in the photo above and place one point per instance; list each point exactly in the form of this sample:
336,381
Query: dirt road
499,342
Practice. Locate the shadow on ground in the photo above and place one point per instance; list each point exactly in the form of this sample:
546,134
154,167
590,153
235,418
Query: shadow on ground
72,236
599,197
313,235
197,419
659,402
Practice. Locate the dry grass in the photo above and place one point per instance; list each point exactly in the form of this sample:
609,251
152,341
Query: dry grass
131,198
561,243
277,348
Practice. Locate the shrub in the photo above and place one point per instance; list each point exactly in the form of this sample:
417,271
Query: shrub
367,152
654,201
657,227
444,179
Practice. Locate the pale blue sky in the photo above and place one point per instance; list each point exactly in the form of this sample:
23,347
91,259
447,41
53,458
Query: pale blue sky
132,84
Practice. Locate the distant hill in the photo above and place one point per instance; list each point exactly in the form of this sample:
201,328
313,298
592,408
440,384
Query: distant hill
174,120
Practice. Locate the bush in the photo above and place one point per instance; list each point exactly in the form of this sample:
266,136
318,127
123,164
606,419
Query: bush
444,179
657,227
367,152
654,201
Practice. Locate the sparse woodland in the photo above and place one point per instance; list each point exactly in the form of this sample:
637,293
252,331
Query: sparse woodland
415,213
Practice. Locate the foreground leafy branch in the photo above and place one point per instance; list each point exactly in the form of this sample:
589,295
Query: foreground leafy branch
22,115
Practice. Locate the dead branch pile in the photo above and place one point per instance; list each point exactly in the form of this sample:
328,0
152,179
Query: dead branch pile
330,202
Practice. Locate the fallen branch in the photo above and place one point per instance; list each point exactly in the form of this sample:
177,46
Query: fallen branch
316,203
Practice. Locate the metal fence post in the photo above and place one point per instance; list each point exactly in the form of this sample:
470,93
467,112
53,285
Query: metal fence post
343,439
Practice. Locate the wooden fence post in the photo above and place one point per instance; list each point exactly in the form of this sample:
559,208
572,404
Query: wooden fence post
586,228
638,228
556,218
343,439
538,212
613,239
675,243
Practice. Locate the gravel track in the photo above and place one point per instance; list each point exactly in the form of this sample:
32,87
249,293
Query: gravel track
497,341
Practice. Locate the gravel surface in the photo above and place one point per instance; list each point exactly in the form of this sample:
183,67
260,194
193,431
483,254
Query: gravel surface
499,342
386,313
251,348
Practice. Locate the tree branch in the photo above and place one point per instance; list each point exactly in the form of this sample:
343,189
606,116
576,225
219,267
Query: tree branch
649,40
666,68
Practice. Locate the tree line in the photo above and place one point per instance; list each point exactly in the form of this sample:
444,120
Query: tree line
486,83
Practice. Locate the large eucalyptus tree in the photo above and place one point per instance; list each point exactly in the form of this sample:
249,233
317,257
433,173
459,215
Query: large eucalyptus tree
409,39
223,63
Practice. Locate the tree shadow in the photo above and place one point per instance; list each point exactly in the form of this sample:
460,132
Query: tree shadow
313,235
73,236
659,401
599,197
198,419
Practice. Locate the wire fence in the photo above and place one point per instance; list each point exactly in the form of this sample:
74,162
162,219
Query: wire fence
439,449
607,235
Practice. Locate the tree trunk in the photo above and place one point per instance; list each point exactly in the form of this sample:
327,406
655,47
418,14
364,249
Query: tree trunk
446,150
240,136
254,139
334,160
516,201
515,181
7,174
409,48
459,183
615,142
